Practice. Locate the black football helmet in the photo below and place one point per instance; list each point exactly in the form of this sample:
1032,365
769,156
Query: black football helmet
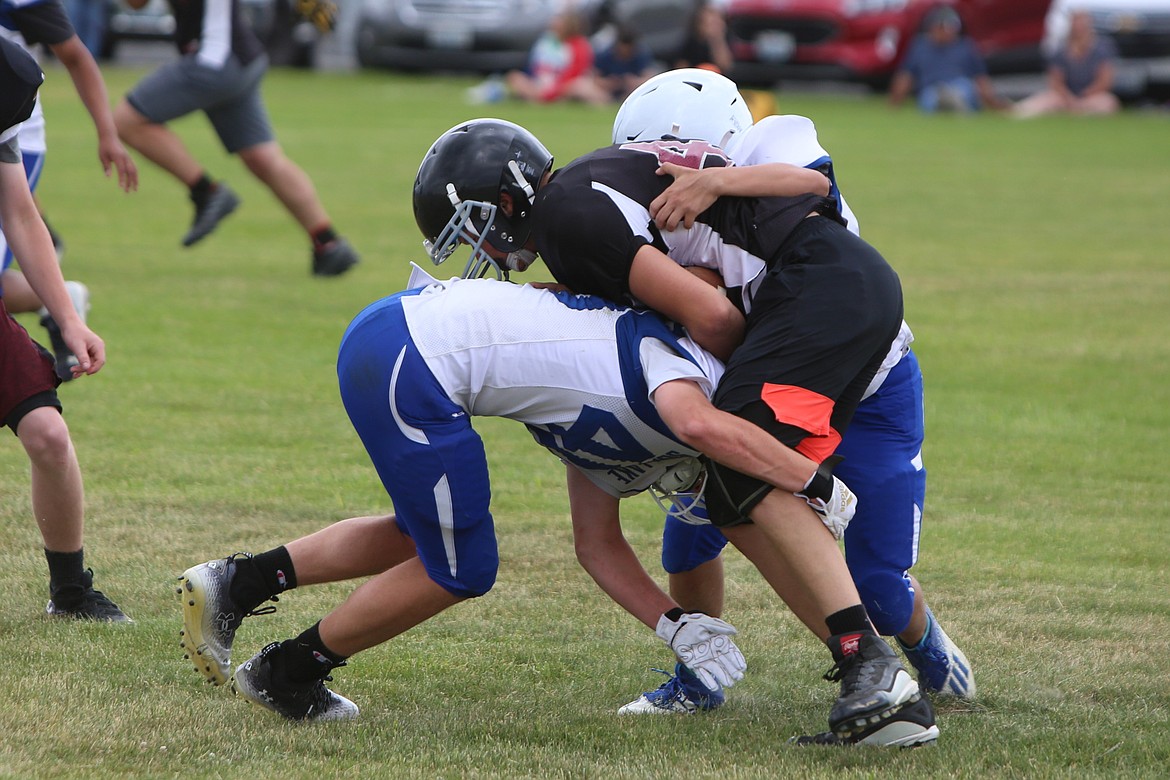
457,193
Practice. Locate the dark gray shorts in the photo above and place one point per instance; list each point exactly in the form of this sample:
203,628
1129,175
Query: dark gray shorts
230,96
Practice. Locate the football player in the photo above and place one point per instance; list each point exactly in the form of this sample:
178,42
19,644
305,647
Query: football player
28,382
810,313
883,447
589,379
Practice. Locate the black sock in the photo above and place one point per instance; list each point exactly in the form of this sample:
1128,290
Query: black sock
323,236
845,626
261,577
202,188
65,568
307,658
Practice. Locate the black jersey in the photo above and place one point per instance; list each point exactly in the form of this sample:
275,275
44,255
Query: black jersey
593,216
39,21
215,29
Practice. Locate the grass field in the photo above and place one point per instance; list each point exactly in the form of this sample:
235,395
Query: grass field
1035,264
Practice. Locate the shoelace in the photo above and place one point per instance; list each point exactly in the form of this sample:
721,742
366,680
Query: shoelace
101,600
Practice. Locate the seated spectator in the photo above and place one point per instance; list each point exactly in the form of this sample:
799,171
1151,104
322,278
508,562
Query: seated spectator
618,69
706,43
1080,75
560,58
944,69
623,66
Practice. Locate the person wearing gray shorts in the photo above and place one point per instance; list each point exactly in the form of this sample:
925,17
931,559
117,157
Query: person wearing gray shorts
220,73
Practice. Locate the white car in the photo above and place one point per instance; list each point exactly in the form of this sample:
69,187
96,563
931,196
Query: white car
1139,28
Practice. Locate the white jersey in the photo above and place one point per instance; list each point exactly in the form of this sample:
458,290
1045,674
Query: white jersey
792,139
577,370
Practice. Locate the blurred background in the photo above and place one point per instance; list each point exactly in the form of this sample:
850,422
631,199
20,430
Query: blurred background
775,44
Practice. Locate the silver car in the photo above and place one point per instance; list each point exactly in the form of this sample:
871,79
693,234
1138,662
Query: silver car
492,36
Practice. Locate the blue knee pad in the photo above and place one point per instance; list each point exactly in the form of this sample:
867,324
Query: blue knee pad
888,598
685,546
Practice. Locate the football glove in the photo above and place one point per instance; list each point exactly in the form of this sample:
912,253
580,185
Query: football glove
830,497
322,13
703,644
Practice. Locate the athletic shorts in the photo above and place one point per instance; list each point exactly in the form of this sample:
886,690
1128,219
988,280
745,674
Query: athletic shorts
27,377
883,466
230,96
430,460
820,326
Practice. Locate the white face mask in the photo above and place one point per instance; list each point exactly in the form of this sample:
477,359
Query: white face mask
519,260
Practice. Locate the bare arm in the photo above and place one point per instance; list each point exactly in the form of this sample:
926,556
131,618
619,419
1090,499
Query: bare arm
900,87
603,551
694,191
29,238
728,439
1102,80
87,79
665,286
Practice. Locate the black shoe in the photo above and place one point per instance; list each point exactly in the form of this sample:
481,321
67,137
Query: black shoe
80,601
912,726
219,203
874,688
334,258
63,358
261,680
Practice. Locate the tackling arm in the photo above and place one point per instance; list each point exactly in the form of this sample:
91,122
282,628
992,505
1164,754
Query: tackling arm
730,440
694,191
603,551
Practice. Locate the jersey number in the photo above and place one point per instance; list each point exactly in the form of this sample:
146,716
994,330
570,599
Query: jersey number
595,432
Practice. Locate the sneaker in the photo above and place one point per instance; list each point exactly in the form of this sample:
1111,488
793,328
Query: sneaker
63,358
491,90
210,617
941,665
682,692
261,681
219,203
913,726
334,258
874,687
79,601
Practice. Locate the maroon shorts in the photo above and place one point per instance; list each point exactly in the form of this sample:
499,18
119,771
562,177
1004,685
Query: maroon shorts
27,377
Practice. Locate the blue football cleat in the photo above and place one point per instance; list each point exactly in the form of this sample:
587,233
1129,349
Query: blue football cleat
941,665
682,693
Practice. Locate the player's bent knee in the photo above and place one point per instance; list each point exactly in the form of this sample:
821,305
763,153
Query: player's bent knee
44,434
889,600
466,584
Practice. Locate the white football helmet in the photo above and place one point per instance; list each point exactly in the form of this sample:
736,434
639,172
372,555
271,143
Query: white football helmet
684,103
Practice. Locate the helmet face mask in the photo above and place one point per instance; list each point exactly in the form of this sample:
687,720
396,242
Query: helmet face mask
476,186
460,230
688,103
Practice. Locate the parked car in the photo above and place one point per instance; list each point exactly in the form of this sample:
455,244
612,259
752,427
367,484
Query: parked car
289,39
863,40
492,36
152,22
1141,31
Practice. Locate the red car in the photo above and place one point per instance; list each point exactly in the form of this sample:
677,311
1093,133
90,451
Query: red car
863,40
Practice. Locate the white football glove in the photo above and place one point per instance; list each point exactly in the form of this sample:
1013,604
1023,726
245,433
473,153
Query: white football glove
830,498
703,644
